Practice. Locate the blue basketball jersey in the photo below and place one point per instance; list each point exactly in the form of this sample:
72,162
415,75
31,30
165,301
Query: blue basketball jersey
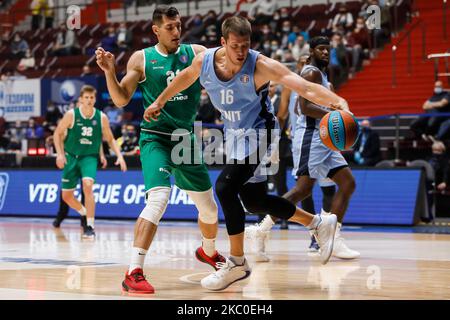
293,117
303,121
244,111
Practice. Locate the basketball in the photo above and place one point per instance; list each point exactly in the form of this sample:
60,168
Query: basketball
339,130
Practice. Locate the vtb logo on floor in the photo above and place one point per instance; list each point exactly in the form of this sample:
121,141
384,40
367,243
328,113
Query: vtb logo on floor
4,180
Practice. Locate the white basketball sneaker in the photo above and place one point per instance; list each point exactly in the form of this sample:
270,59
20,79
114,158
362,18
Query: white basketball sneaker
325,236
227,274
341,250
258,238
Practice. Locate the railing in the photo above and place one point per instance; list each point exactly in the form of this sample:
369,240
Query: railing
436,57
395,47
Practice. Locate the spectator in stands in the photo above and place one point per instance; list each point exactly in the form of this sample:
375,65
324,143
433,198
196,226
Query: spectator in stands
124,37
109,41
128,142
115,117
283,35
18,47
262,11
444,130
212,28
66,42
438,102
16,134
440,163
52,116
27,62
36,13
358,40
343,20
276,51
34,130
206,111
196,30
86,71
49,14
293,35
367,148
300,48
338,61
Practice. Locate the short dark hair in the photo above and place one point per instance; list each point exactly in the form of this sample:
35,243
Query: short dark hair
237,25
163,10
319,40
87,88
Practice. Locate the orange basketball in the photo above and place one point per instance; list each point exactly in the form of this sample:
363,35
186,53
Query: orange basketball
339,130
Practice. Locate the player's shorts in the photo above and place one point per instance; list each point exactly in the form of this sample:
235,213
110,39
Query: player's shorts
84,167
161,158
312,158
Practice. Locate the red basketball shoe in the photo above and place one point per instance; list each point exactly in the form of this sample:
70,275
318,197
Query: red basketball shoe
136,284
203,257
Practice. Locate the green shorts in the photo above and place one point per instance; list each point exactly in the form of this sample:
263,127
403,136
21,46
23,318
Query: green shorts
160,158
78,167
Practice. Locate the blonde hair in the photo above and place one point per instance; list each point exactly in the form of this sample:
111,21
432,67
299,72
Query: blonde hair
87,88
237,25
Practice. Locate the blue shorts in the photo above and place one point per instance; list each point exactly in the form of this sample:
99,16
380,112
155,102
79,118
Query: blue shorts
312,158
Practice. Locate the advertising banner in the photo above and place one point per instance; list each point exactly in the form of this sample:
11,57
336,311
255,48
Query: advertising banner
20,99
381,197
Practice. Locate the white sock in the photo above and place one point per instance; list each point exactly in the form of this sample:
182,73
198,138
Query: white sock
239,261
315,222
324,213
137,259
90,222
82,211
209,246
266,224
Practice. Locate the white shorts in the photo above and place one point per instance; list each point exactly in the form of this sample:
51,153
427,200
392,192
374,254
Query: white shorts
312,158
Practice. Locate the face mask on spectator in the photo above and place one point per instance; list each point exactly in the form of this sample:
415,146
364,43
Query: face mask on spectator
438,90
274,47
51,109
265,31
266,46
360,25
286,29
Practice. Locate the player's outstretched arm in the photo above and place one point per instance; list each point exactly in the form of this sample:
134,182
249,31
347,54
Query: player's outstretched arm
307,107
108,136
121,92
181,82
273,70
58,138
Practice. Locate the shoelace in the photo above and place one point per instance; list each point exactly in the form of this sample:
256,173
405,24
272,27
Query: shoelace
223,267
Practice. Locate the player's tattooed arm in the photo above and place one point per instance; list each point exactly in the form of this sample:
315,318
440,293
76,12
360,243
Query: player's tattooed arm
269,69
121,92
307,107
181,82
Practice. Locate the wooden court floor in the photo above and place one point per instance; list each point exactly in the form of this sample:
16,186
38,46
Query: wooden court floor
40,262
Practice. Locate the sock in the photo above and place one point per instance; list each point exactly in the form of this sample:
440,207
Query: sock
209,246
324,213
82,211
267,223
90,222
137,259
315,222
239,261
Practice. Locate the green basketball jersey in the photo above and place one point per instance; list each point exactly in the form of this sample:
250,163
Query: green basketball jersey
85,136
160,70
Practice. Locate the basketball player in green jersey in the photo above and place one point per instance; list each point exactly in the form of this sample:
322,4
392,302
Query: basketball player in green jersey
152,69
77,153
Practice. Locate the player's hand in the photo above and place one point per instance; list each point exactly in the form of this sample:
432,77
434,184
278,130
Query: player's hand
103,161
105,60
153,112
61,161
442,186
121,161
341,105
